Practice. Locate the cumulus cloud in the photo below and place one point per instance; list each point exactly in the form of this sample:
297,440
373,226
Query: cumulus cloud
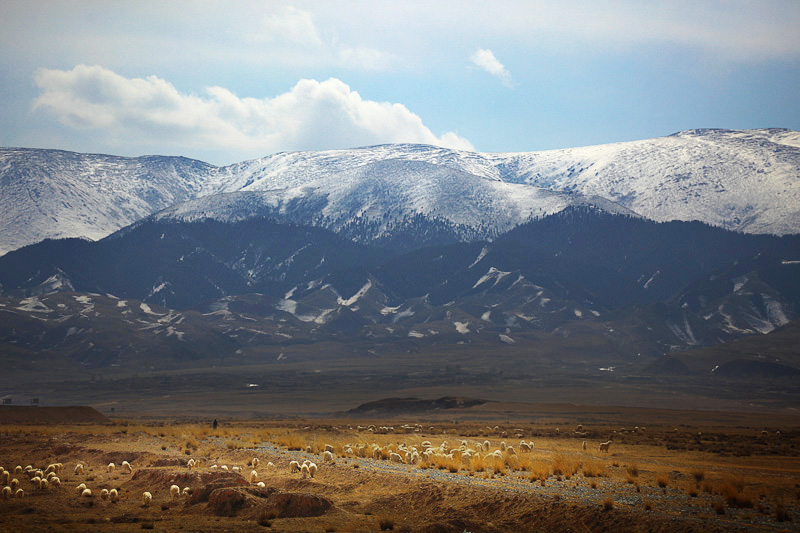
485,59
312,115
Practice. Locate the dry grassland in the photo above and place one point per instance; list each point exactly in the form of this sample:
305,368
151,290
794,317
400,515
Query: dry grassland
660,478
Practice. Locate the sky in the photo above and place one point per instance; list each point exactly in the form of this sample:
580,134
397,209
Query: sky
229,81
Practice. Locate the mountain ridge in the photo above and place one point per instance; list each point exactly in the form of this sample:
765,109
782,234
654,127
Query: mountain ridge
744,180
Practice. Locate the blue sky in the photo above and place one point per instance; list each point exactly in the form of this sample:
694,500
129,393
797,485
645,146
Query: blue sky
224,82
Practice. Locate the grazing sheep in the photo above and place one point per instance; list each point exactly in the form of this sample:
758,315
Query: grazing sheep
6,493
80,488
213,467
104,494
327,457
294,466
328,448
486,445
43,483
604,446
503,445
253,476
126,467
174,492
270,465
236,469
190,464
55,482
79,469
525,447
87,493
255,462
14,484
113,495
224,468
6,476
309,449
36,481
50,476
147,499
110,468
304,470
19,494
186,491
17,470
261,484
395,457
312,469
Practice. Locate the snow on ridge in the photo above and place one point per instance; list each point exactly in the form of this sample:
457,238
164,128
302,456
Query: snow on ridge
356,297
492,273
750,174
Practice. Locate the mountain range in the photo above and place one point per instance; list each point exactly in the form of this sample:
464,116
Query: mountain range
618,255
739,180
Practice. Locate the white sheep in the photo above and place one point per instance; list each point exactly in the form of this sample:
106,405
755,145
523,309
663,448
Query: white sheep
87,493
604,446
186,491
328,448
80,488
55,482
190,464
43,483
14,484
261,484
113,495
395,457
525,447
17,470
304,470
6,475
237,469
79,469
327,457
104,494
270,465
253,476
19,494
174,492
147,499
503,445
312,469
224,467
6,493
294,466
110,468
255,462
213,467
126,467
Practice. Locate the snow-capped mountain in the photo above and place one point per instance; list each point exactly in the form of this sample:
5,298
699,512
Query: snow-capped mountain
55,194
741,180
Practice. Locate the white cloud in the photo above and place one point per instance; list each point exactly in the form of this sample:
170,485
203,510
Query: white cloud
291,25
312,115
485,59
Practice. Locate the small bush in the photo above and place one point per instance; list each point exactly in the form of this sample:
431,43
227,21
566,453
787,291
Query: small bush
633,470
698,474
662,480
608,503
781,513
648,505
719,507
386,524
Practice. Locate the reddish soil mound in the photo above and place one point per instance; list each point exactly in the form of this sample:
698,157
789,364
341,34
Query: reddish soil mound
18,414
228,501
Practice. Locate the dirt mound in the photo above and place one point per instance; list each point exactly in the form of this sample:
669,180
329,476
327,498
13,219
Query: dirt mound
228,501
19,414
414,405
201,483
169,461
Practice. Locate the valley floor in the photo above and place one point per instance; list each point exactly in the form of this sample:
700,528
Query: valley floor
683,471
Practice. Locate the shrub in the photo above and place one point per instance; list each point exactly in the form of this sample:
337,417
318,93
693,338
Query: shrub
633,470
608,503
698,474
386,524
662,480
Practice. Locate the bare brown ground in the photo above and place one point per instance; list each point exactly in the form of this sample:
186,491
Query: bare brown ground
729,455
